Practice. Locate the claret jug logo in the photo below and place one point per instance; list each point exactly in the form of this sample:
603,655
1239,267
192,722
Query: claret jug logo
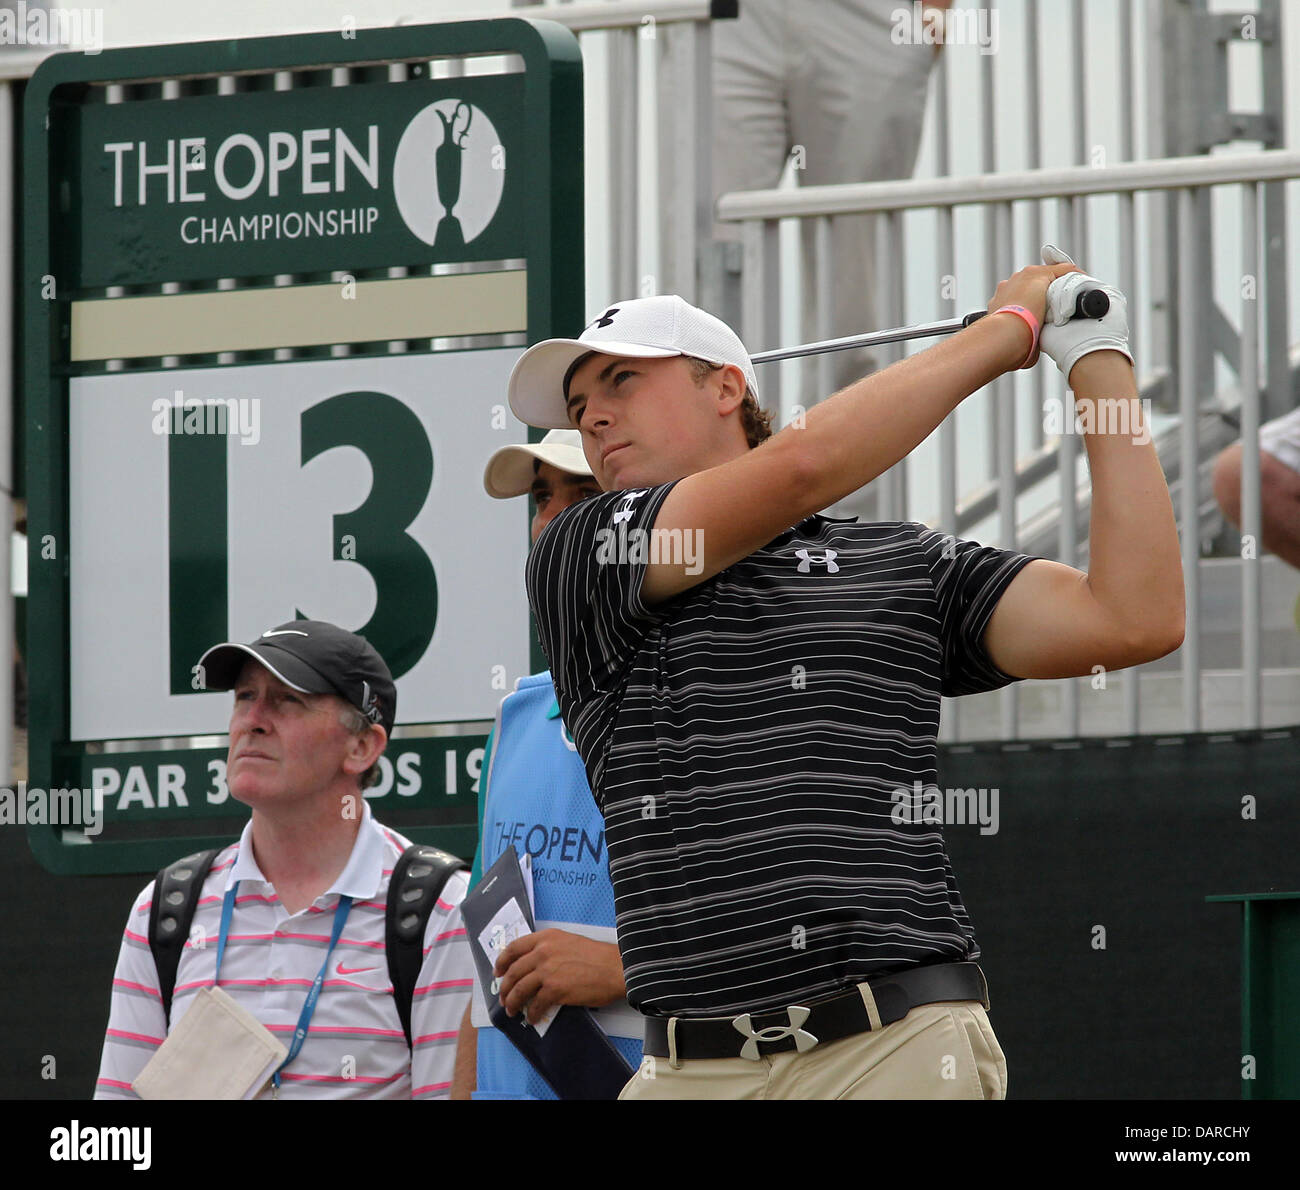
268,185
449,173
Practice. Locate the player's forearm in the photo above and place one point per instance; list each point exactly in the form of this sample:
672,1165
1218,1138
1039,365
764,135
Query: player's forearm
862,431
1134,566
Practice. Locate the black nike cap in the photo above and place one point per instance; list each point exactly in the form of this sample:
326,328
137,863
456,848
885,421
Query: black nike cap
313,657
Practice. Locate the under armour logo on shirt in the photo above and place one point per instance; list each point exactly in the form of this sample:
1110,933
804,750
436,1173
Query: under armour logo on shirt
606,319
827,560
624,510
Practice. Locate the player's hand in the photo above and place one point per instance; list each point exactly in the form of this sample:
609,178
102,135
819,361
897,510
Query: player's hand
1067,339
552,967
1029,288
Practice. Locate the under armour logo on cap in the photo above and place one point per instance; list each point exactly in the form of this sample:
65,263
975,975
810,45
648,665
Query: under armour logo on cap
655,327
828,560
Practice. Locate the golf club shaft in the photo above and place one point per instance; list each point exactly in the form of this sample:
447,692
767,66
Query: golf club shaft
1091,303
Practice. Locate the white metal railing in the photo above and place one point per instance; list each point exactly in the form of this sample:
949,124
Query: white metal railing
620,14
1019,85
668,42
1064,193
665,187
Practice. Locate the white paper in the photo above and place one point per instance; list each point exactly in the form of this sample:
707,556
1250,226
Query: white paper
507,924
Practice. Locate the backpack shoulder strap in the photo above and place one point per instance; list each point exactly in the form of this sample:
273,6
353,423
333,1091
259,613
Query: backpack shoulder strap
175,897
418,878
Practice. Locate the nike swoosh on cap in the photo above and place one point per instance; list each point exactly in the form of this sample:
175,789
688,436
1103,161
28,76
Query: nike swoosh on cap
284,632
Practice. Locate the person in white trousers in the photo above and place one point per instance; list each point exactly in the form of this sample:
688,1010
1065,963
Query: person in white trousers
829,84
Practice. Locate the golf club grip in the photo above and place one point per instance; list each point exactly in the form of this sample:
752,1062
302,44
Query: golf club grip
1091,303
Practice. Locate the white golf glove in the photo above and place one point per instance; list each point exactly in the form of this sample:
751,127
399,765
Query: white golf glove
1067,339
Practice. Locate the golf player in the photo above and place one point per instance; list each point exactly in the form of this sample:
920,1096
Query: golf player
747,709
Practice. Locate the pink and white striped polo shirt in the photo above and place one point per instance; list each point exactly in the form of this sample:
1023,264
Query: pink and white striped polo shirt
355,1047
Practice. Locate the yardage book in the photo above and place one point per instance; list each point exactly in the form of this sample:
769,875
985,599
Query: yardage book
569,1050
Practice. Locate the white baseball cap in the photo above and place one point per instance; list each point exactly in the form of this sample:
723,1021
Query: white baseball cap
510,469
643,328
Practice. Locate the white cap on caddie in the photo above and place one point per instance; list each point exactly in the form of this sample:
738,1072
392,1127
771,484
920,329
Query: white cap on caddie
643,328
510,469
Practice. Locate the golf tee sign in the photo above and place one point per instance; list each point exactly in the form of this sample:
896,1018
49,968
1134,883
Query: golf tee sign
272,291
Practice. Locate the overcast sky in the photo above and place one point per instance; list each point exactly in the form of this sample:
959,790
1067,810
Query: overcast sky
135,22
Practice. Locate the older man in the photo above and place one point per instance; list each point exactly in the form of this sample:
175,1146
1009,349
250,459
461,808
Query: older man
747,715
534,796
290,922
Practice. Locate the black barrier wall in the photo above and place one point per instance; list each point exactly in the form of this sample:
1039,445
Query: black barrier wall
1131,839
1126,836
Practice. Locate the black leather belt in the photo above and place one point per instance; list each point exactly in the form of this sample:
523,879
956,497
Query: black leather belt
800,1027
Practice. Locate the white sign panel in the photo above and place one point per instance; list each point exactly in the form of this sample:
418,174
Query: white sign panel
281,548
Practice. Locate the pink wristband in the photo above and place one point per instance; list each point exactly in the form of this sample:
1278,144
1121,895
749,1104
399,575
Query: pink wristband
1032,322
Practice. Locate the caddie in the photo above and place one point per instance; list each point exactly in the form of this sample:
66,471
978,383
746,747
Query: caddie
745,722
534,796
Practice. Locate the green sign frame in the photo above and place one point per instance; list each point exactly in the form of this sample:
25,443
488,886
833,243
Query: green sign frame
541,222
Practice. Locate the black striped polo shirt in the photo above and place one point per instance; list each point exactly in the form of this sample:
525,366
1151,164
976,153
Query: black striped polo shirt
743,741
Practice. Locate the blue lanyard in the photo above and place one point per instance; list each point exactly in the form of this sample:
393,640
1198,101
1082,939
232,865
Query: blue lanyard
309,1005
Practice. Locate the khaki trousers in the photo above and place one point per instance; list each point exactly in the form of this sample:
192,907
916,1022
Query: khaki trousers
945,1050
